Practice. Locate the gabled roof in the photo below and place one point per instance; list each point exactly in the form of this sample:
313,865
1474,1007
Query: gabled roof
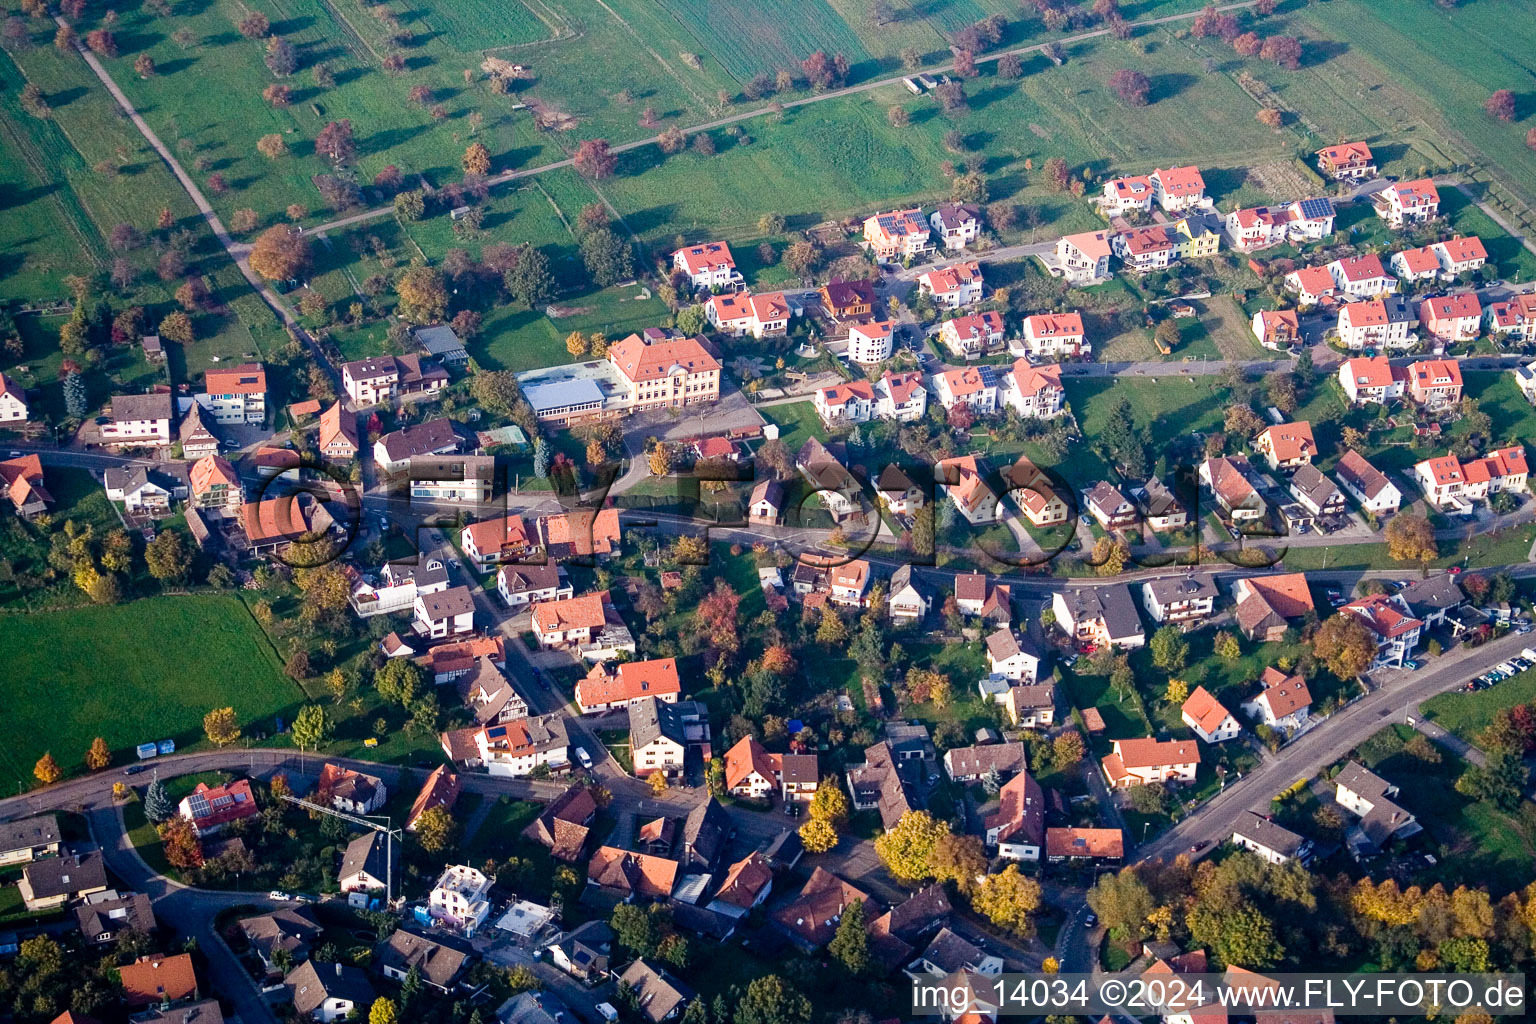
1085,842
630,680
440,790
1180,181
1152,753
1033,380
1266,833
952,278
1021,811
1452,307
1360,474
210,471
1205,710
588,611
630,872
438,964
1311,280
1422,260
640,359
1290,441
1283,694
813,916
708,256
1346,153
1092,244
312,983
902,386
156,979
844,392
245,379
1360,268
1286,593
745,880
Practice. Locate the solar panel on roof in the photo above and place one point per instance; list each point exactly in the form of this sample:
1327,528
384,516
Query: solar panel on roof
1313,208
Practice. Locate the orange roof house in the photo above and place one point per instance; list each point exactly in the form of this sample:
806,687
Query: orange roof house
608,686
338,432
23,481
635,874
745,759
587,611
151,980
441,790
1203,712
641,360
245,379
1287,445
1098,843
581,531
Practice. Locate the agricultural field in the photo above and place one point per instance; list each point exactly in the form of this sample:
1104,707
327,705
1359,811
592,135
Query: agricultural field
68,686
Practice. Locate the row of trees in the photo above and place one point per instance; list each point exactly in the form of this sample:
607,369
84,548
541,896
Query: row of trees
1246,912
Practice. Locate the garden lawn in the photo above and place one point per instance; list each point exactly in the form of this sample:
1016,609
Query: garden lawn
132,673
1475,843
1468,714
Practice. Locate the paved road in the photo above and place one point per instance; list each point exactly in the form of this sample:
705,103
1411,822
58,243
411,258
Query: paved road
1328,742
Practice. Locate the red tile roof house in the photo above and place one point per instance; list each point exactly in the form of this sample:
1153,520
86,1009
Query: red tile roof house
1513,319
1460,255
1348,161
23,482
1053,337
1435,383
1208,718
961,479
1017,828
1277,329
849,583
568,622
1034,392
1452,318
871,342
846,402
440,790
1140,761
898,235
1258,227
901,396
13,401
1283,702
490,542
607,687
1387,616
976,595
1372,380
1227,477
1414,265
1082,258
1367,484
1378,323
1361,277
1179,188
975,386
210,808
1311,284
1287,446
708,266
953,286
1144,249
1447,481
972,335
741,313
1084,844
1407,203
1126,195
338,433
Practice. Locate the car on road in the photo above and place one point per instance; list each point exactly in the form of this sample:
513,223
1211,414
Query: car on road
1455,570
15,455
278,894
1091,919
134,769
584,757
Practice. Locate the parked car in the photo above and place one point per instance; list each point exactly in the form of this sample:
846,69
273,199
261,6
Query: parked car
278,894
584,757
1411,665
134,769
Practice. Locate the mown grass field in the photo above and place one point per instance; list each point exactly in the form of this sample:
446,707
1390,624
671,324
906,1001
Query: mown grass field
148,670
1468,714
1475,843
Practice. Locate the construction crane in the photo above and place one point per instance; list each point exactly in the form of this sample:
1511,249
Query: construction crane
366,821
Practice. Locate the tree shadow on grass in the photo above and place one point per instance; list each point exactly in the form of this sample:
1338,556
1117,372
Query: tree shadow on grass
1167,86
643,221
1320,51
